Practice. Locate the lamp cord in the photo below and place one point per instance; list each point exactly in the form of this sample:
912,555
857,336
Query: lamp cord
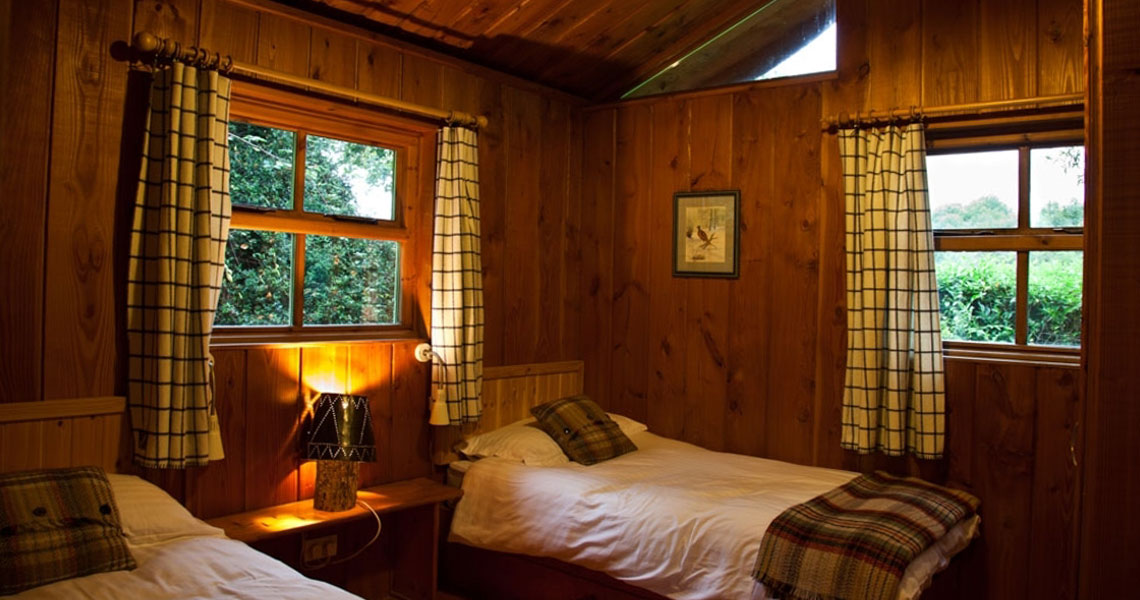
328,561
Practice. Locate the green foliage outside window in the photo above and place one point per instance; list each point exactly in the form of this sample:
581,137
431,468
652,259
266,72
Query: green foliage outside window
350,281
261,166
978,290
977,295
347,280
1055,285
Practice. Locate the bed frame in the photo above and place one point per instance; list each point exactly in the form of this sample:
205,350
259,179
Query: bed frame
62,433
508,394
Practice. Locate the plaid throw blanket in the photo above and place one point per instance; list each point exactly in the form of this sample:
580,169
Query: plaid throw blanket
857,540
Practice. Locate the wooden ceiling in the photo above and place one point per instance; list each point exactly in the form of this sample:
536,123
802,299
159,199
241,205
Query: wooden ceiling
596,49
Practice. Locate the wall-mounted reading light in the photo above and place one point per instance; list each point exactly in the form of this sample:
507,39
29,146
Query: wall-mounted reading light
439,416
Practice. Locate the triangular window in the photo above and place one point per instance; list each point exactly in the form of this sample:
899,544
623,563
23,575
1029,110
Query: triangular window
783,38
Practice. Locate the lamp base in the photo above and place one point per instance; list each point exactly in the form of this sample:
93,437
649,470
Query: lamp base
336,485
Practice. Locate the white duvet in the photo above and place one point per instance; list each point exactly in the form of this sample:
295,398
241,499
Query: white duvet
179,556
672,518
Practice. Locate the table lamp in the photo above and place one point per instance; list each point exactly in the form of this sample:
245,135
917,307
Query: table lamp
340,438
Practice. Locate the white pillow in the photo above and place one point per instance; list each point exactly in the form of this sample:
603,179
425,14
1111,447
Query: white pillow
628,426
528,444
150,515
517,441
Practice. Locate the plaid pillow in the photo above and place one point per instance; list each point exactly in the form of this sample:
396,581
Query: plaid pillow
582,429
58,524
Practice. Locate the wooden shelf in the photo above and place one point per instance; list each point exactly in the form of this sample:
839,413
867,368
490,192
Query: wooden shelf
284,519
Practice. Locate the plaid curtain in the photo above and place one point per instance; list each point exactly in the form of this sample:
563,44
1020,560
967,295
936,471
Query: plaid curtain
457,278
894,399
178,242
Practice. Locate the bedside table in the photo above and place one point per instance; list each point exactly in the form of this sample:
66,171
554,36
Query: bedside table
402,563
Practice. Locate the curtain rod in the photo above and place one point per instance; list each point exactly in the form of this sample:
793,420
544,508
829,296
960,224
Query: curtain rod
148,43
844,120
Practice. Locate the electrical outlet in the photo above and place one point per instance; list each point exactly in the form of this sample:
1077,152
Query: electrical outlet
318,550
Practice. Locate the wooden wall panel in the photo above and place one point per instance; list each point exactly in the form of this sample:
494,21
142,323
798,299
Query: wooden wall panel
410,440
1060,47
597,247
176,19
282,44
82,333
630,321
950,73
894,51
1110,525
333,58
1052,546
273,395
379,69
1007,50
27,41
227,28
668,335
754,173
370,374
707,300
521,291
553,168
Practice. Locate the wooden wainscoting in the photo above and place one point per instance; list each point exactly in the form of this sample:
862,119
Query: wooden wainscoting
61,433
508,394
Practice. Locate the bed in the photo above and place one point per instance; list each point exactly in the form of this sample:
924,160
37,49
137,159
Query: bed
175,555
670,518
179,556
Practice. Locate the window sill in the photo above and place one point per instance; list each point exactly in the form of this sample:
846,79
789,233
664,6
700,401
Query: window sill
1049,356
260,338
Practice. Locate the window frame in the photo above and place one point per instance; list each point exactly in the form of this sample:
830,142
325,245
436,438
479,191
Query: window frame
1022,239
413,143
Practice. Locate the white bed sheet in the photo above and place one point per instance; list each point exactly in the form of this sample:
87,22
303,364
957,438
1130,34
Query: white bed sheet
672,518
181,557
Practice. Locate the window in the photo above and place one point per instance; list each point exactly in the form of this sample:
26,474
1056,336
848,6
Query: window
1008,226
320,239
781,38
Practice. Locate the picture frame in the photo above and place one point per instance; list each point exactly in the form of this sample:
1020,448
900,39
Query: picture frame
706,234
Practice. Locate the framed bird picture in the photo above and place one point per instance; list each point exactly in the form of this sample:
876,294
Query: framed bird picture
706,234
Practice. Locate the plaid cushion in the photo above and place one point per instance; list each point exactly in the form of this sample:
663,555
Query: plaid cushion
58,524
582,429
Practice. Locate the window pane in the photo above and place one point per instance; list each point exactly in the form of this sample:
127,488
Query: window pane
815,56
977,293
350,281
973,190
261,166
1055,284
1057,187
258,284
343,178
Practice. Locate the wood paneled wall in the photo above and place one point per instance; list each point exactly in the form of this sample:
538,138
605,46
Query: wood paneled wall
263,393
69,171
1110,524
755,365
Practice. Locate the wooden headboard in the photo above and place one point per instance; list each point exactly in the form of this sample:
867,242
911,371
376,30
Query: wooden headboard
508,395
61,433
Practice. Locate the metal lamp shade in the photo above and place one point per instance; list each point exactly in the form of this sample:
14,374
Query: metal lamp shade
341,429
